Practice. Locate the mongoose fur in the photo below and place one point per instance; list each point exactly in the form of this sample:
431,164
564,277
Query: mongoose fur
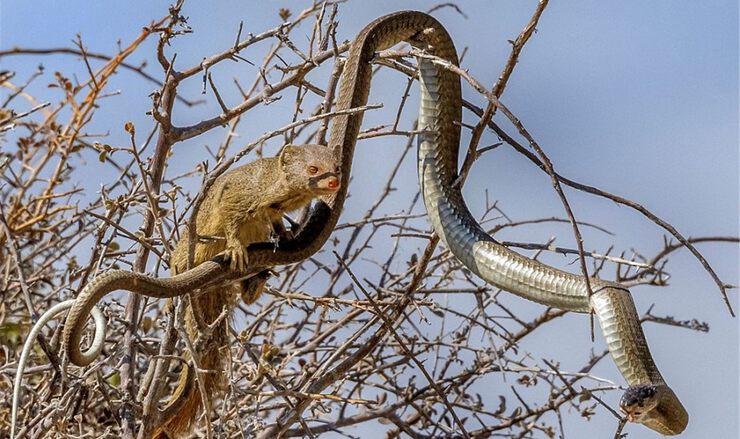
244,206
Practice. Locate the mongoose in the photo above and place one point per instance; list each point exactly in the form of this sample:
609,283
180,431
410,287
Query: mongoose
244,206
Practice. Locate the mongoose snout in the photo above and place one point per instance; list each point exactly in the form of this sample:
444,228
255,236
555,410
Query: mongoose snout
326,183
332,183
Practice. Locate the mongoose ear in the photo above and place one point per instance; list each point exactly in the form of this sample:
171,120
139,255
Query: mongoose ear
288,153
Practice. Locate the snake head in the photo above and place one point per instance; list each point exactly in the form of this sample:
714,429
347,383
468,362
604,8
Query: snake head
638,401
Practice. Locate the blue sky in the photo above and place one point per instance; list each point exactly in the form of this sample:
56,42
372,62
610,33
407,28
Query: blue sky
637,98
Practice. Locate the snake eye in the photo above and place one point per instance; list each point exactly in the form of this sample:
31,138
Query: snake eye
313,170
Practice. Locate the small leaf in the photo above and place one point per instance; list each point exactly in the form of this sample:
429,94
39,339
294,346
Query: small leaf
147,323
114,379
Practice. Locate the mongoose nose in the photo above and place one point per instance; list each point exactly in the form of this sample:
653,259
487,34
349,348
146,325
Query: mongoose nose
333,183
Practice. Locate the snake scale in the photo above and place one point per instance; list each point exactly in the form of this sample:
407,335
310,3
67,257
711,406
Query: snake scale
648,400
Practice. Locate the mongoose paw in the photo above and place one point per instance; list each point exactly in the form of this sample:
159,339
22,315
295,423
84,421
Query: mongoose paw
238,256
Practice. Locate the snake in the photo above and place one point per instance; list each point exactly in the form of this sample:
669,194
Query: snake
647,400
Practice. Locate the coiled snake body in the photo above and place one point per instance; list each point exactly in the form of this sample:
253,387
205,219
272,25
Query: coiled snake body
649,400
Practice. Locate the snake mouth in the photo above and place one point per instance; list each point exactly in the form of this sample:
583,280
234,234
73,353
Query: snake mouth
630,414
635,413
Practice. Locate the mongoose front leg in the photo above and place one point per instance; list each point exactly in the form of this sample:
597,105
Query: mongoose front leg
235,250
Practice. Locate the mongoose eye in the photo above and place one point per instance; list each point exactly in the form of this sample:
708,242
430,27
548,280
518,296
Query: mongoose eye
313,170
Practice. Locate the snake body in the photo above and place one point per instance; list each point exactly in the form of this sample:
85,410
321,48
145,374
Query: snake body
162,288
439,119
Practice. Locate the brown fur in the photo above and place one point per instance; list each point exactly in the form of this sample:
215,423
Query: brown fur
242,206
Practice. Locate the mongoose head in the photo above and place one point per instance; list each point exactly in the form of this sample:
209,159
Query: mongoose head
310,167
